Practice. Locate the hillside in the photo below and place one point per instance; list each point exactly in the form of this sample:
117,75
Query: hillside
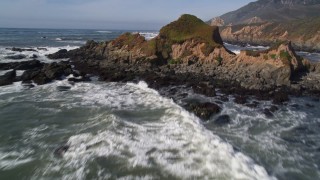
304,34
271,11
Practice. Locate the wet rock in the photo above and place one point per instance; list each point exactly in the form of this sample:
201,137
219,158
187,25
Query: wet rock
268,113
24,65
29,65
21,49
34,56
310,105
273,109
47,73
222,120
63,88
280,97
82,79
8,78
27,85
42,49
240,99
204,110
28,75
205,89
16,57
61,150
61,54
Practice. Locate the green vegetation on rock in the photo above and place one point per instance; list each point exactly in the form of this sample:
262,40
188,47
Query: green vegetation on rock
285,57
190,27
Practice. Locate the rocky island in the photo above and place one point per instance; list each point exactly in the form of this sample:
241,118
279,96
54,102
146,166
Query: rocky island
187,51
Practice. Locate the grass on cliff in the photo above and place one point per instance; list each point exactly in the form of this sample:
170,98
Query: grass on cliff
190,27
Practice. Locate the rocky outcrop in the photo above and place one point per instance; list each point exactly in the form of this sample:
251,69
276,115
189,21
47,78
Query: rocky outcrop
47,73
190,52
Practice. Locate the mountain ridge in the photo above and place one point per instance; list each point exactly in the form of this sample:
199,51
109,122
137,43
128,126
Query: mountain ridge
272,11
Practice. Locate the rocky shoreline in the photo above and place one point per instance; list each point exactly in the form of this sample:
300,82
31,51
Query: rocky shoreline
198,62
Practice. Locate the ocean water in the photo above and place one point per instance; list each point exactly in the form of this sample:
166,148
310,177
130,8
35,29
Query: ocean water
129,131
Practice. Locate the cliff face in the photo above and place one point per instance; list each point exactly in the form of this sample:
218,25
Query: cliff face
304,34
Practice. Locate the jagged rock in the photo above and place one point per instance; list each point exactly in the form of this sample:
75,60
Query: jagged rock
8,78
21,65
61,54
47,73
204,89
204,110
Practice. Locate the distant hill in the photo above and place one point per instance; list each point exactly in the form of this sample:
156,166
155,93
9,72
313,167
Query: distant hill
271,11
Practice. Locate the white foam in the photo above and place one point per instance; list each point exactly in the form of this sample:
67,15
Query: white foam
147,35
106,32
40,53
13,159
177,142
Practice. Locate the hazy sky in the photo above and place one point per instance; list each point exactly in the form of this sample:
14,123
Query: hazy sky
108,14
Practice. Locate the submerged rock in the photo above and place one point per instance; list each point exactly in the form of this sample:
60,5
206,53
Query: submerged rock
21,49
222,120
16,57
61,150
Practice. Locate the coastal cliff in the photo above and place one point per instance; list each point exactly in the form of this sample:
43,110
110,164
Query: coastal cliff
189,48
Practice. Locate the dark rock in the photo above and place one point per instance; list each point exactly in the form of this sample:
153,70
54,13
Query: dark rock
222,120
16,57
240,99
205,89
82,79
204,110
61,54
280,97
7,78
268,113
61,150
34,56
41,79
28,65
310,105
43,49
63,88
28,75
273,109
27,85
21,49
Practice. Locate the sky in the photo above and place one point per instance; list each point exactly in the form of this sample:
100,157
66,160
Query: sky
108,14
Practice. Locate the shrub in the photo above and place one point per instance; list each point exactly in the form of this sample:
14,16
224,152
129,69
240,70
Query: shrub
219,59
273,56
